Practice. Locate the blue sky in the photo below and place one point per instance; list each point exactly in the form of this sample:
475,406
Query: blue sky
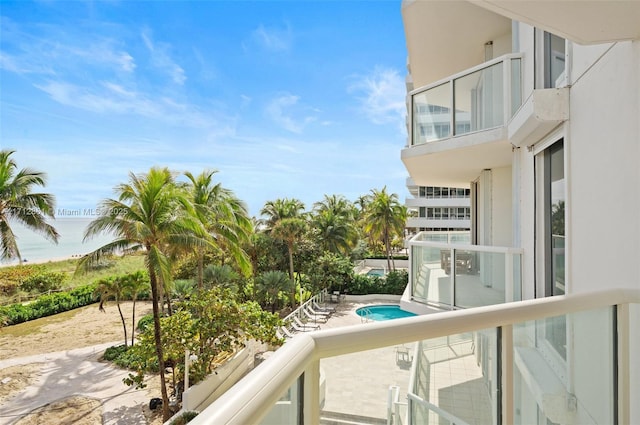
285,99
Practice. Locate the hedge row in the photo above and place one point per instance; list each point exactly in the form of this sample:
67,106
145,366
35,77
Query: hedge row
48,305
394,283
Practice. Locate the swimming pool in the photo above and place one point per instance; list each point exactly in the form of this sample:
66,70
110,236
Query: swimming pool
383,312
375,272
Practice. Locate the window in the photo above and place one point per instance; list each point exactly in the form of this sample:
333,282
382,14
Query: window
422,191
429,192
551,196
554,61
422,212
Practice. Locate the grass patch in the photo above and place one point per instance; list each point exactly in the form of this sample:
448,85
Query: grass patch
117,266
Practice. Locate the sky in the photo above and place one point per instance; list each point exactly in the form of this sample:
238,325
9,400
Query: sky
285,99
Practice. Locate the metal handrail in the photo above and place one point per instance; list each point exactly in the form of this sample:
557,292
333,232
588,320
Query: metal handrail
466,72
251,399
414,241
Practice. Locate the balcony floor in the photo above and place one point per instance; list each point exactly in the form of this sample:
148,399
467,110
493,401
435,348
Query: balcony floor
456,383
357,384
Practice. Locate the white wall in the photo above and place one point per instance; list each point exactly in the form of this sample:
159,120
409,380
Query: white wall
603,171
502,45
501,206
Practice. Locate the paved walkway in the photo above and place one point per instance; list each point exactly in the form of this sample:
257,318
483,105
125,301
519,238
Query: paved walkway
76,372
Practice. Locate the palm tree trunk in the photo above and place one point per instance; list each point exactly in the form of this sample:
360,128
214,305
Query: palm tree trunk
133,318
387,247
293,282
124,325
155,295
200,268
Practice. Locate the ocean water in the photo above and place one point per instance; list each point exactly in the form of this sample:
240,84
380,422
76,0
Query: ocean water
35,248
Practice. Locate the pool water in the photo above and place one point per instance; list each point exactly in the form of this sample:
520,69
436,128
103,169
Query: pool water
383,312
375,272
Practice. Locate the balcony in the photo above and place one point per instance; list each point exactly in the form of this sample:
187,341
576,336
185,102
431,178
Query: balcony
458,125
437,202
452,275
493,365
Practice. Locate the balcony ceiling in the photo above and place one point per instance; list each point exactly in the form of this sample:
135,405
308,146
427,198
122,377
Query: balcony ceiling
445,37
456,163
585,22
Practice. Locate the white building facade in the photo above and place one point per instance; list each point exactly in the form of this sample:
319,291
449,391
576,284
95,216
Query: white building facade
542,121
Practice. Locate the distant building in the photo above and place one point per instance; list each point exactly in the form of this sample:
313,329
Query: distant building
438,209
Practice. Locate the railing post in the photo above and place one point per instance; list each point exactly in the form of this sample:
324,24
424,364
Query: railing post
452,274
506,369
506,90
508,277
623,340
452,118
311,394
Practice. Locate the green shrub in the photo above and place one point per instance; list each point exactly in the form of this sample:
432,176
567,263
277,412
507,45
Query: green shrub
43,282
112,353
47,305
393,284
396,282
145,322
184,418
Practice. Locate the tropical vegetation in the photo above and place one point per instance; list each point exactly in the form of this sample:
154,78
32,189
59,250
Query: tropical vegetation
215,275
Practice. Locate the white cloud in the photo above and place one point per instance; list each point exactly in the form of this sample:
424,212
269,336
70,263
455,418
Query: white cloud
280,111
109,97
274,39
381,95
162,60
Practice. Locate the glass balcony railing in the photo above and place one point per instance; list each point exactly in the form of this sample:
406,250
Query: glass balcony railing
494,365
450,275
480,98
463,238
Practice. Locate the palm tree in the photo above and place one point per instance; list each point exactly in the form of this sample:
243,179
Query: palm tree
334,220
224,216
19,205
222,276
281,208
183,288
135,283
338,204
269,284
112,287
152,214
286,222
385,218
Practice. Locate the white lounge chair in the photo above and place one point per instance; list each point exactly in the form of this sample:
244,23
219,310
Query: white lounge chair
316,311
323,309
287,333
314,317
303,327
